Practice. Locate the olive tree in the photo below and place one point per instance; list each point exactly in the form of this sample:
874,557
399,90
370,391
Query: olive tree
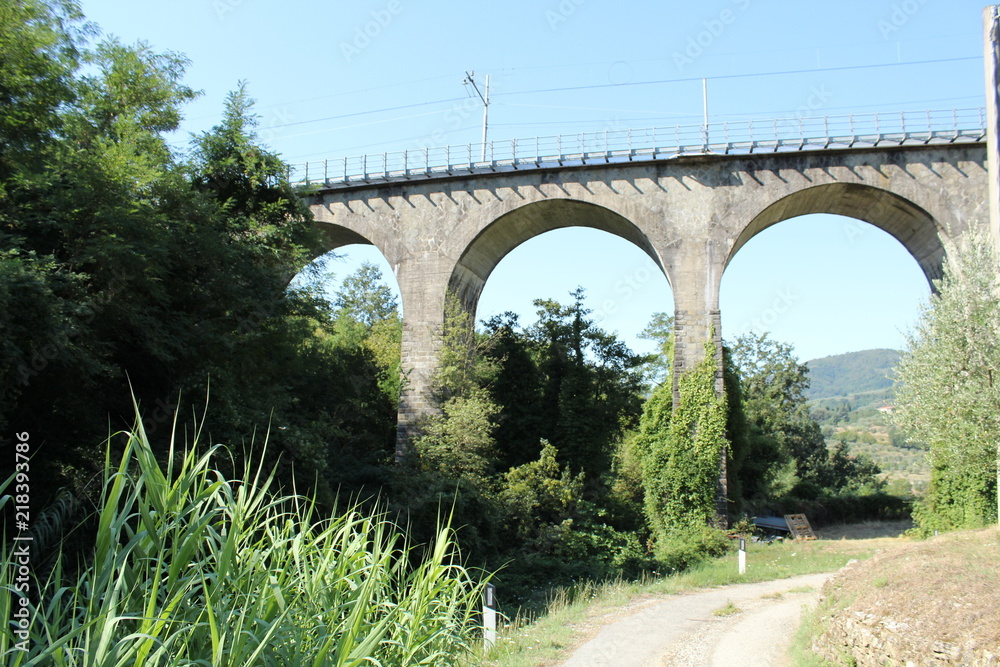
948,390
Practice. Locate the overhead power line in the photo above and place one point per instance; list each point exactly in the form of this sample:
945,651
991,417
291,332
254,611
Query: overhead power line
736,76
370,111
470,80
633,83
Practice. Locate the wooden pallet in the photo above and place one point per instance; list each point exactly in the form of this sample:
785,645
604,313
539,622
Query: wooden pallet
798,526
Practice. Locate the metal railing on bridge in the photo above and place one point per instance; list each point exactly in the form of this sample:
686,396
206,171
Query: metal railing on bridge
740,137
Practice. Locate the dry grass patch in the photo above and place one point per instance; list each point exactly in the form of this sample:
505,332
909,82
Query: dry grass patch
729,610
866,530
939,597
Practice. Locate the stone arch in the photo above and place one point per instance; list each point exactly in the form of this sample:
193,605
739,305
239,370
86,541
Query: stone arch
527,221
355,222
333,237
916,229
336,236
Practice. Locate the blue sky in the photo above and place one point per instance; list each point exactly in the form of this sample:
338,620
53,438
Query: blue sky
337,78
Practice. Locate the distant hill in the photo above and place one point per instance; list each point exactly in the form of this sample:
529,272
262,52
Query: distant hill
865,372
845,395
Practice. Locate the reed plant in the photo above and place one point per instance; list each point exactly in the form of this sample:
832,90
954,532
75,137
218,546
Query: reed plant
190,568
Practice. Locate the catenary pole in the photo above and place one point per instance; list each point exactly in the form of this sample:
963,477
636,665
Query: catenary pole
469,79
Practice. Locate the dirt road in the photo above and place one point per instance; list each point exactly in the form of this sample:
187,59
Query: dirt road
693,629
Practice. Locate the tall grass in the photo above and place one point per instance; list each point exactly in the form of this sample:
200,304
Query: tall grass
190,568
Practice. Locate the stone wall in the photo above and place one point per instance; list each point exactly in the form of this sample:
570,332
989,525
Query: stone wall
916,602
867,640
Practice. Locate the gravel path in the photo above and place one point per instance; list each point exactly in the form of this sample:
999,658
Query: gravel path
682,630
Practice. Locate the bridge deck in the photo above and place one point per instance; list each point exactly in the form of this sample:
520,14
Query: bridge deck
657,143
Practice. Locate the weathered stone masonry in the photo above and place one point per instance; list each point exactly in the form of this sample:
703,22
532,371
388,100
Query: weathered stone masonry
691,215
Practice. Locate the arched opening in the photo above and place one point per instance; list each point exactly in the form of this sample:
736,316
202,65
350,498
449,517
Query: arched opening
828,284
332,267
842,292
624,286
346,252
909,224
516,227
557,373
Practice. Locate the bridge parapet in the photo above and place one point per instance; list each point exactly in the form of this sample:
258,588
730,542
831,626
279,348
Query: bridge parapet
736,137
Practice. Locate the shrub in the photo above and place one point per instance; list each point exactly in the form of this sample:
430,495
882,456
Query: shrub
560,537
683,550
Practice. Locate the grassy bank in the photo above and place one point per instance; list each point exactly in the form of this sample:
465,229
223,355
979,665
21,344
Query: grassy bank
575,614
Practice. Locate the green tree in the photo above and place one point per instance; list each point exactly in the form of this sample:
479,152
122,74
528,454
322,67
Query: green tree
848,473
262,213
515,387
132,98
660,330
591,385
329,377
452,462
459,442
127,266
366,315
91,208
541,497
461,366
364,297
784,445
550,528
948,394
40,50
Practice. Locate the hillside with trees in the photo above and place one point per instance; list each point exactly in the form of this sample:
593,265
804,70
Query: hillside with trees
851,397
851,374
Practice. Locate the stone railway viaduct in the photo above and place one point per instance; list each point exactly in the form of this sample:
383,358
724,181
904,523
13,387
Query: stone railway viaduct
691,215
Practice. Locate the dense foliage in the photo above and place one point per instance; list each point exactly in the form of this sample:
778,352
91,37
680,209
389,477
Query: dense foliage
778,460
566,380
525,449
785,453
124,265
948,394
681,451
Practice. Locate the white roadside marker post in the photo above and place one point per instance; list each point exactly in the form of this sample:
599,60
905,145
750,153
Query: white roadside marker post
489,615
